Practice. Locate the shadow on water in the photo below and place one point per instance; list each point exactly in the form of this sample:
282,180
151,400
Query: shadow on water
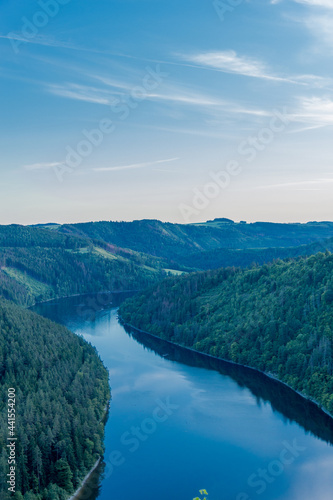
92,489
285,401
291,405
78,308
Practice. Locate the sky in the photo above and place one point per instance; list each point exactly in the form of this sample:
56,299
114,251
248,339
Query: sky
166,109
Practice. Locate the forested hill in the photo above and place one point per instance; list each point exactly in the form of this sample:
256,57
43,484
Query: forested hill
38,264
61,394
170,241
246,257
277,318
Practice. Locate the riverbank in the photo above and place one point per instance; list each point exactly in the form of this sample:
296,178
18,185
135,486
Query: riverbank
232,412
61,297
88,477
266,374
91,479
85,481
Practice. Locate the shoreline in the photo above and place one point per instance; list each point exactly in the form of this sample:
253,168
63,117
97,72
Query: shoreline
266,374
85,480
60,297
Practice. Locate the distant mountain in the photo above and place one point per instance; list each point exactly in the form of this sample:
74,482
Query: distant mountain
222,219
52,260
277,318
227,257
171,241
38,264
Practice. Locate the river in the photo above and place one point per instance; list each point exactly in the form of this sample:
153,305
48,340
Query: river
181,422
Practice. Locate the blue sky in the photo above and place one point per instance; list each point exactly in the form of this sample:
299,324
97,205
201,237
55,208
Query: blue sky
181,111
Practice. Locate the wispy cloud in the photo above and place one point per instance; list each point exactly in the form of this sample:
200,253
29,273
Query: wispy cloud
81,93
318,19
309,183
112,82
305,129
315,81
42,166
312,3
174,93
38,40
169,94
321,27
317,3
106,96
195,99
229,61
134,165
316,111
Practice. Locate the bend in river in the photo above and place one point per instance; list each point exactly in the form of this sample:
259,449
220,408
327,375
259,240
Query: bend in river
181,422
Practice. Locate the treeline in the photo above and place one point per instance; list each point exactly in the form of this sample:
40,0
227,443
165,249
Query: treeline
61,394
277,318
173,241
229,257
35,274
15,235
39,264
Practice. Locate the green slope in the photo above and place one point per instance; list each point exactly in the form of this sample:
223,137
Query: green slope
171,241
228,257
38,264
61,393
277,318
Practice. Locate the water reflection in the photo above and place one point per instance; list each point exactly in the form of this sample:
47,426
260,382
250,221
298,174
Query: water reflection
231,421
282,399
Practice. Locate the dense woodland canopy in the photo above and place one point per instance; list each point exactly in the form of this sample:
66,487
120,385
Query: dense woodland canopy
277,318
61,394
39,264
246,257
172,241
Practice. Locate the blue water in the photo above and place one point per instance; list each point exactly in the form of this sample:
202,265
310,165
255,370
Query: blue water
180,422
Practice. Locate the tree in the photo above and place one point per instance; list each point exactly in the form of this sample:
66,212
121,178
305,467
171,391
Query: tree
63,475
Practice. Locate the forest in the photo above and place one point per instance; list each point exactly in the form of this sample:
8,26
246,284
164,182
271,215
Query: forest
282,325
62,392
276,318
246,257
172,241
39,264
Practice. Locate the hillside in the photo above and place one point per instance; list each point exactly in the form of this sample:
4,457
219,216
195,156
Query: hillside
38,264
61,391
277,318
172,241
43,262
229,257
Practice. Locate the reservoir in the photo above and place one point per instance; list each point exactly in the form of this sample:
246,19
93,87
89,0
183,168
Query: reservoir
181,422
